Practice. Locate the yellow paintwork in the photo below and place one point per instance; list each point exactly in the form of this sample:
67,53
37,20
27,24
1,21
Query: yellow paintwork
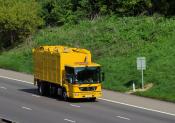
50,62
75,92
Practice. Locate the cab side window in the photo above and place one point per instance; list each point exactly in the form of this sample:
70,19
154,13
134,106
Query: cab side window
69,74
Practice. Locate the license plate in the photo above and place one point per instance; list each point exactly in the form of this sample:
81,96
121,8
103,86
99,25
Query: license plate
88,95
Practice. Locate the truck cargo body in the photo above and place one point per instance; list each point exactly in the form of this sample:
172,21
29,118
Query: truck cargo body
66,71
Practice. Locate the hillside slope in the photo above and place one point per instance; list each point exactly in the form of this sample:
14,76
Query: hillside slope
115,43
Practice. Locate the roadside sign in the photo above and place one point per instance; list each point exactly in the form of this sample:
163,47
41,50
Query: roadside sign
141,63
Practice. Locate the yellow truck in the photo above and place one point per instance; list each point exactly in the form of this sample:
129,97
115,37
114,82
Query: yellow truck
68,72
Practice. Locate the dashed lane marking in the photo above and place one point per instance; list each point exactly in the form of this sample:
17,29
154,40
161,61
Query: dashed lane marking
125,118
77,106
72,121
2,87
23,107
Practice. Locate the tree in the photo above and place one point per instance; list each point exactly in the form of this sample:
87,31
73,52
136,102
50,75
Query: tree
57,12
165,7
18,19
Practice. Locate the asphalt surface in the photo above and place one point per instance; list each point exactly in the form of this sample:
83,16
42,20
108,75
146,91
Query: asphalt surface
20,102
111,96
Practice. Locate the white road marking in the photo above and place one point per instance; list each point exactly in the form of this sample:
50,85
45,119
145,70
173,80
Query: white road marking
16,79
148,109
112,101
70,120
35,95
26,108
125,118
77,106
2,87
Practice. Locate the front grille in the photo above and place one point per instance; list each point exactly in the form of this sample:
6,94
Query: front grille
87,88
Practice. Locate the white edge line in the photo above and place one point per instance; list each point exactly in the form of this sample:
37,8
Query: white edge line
105,99
123,117
26,108
35,95
148,109
16,79
69,120
77,106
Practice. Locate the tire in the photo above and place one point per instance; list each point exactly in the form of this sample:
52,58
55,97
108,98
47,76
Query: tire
41,89
53,90
64,95
93,99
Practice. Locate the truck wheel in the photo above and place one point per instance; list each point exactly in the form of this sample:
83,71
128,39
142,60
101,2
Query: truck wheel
53,90
93,99
64,95
42,89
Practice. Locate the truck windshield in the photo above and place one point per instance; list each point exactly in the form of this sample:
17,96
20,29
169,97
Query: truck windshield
87,75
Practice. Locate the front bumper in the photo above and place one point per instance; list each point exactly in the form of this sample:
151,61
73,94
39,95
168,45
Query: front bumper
95,94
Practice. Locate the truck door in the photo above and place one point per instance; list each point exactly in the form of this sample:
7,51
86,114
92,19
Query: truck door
69,72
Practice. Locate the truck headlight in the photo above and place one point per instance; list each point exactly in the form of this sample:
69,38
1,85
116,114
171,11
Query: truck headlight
75,94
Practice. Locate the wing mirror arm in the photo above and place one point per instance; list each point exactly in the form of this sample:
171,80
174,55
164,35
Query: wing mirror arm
103,76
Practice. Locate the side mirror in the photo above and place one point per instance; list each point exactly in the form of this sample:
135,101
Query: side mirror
103,76
70,80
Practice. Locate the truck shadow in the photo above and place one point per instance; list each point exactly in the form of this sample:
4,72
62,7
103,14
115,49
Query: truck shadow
30,90
82,101
34,91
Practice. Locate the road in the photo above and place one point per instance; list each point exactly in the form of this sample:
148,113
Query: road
20,102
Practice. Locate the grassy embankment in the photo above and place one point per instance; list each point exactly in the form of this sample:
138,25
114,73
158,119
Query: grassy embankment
115,43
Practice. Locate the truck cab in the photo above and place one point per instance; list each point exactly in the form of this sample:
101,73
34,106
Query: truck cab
83,81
